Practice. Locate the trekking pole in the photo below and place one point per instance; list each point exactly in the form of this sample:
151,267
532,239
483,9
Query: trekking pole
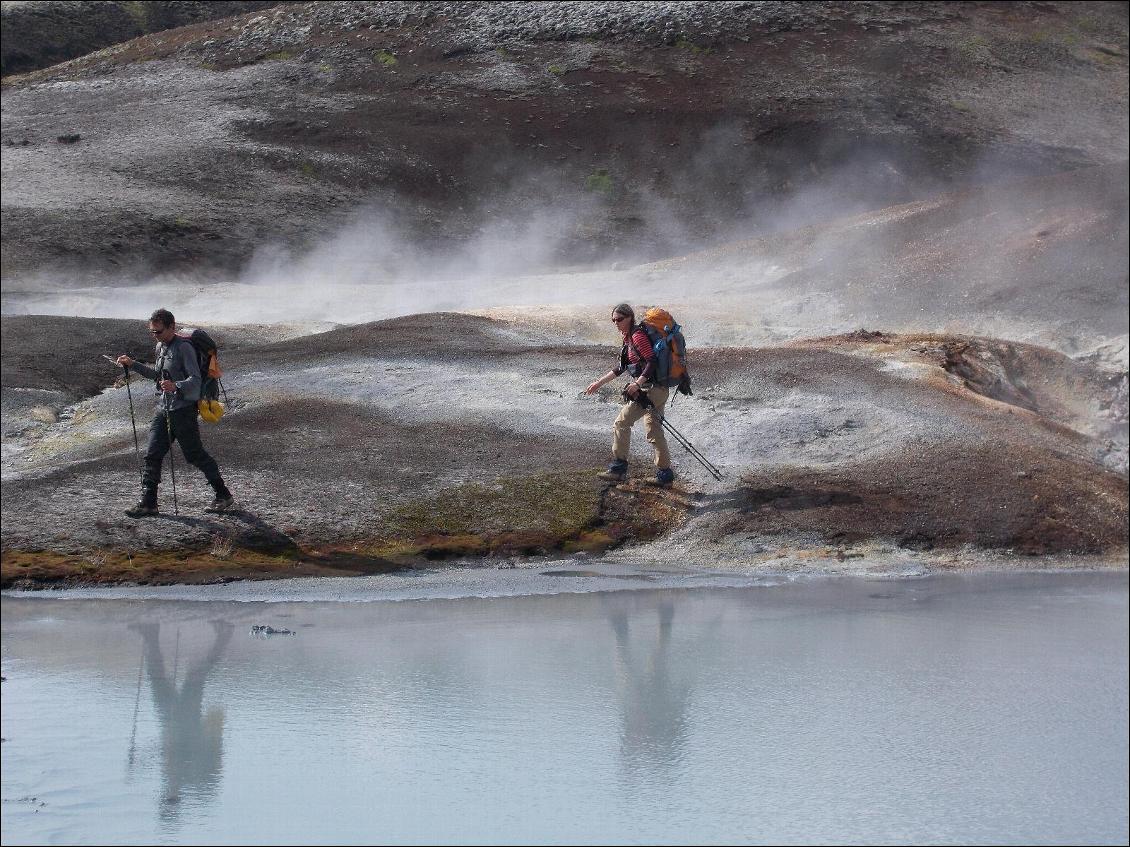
684,442
169,429
132,419
133,425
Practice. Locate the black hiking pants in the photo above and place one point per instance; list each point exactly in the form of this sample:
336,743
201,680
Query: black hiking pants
186,430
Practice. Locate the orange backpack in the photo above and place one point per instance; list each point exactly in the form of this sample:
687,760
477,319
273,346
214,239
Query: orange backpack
666,338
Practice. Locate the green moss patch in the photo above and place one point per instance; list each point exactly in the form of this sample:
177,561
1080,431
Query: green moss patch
36,568
569,511
684,44
599,182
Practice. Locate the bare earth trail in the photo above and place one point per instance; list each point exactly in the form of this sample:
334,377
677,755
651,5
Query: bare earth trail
441,436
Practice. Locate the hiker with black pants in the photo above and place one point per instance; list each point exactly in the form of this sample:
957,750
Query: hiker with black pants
638,359
178,380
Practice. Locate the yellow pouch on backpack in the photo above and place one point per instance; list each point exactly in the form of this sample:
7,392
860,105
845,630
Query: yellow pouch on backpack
211,410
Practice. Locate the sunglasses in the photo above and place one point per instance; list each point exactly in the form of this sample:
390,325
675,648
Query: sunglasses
158,331
617,320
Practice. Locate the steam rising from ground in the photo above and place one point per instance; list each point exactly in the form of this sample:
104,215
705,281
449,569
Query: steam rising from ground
1040,261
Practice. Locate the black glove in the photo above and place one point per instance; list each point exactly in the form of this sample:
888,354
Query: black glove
641,398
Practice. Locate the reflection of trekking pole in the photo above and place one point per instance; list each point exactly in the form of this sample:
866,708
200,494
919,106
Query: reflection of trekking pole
136,704
684,442
169,429
132,418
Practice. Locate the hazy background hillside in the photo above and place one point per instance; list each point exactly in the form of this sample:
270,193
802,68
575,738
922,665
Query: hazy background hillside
507,137
39,33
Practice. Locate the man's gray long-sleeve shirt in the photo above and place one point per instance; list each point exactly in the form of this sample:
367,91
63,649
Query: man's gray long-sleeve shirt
179,359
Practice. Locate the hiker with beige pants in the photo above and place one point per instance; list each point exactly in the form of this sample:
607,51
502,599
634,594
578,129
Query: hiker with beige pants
637,358
632,412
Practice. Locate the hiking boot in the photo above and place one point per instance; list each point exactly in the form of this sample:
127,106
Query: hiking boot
664,477
617,472
222,503
146,507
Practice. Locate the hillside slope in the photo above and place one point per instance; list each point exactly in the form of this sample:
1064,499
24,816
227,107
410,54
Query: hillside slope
40,33
575,130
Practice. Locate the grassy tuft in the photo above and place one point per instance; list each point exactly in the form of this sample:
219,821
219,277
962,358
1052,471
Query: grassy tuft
684,44
974,49
599,181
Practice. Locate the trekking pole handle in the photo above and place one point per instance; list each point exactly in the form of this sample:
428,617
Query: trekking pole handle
641,398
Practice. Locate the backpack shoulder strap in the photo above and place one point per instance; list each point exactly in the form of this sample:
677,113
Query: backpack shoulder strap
632,341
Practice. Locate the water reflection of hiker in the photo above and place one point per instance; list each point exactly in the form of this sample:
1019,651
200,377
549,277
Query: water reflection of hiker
177,373
191,742
654,700
638,359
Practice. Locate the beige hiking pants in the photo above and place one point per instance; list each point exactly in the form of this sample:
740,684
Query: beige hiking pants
632,412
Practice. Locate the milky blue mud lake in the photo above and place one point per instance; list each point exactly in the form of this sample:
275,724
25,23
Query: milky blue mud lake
988,708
